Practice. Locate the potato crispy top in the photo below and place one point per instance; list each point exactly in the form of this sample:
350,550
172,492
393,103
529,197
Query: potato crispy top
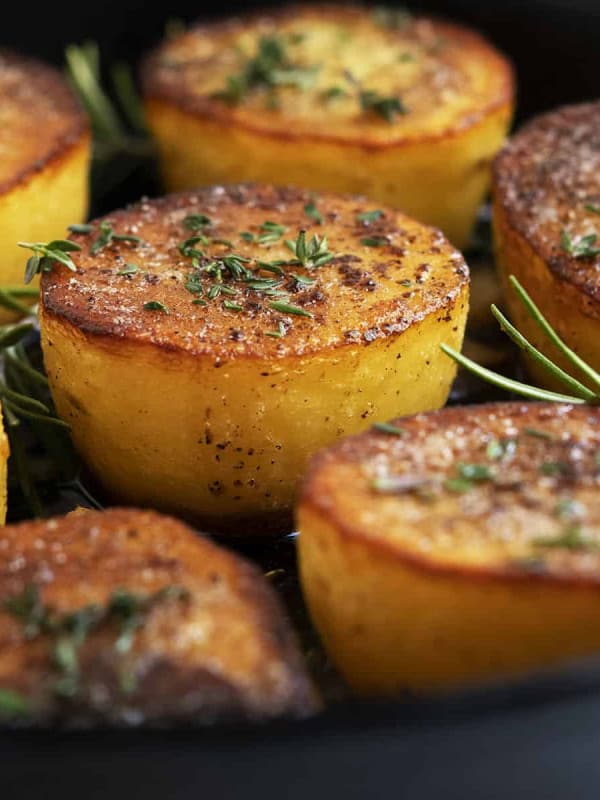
255,271
39,118
510,488
547,181
319,71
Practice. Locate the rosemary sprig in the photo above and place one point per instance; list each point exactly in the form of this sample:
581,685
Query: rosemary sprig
581,392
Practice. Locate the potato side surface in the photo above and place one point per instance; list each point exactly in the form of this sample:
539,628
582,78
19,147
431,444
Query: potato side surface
546,187
210,406
45,147
326,122
214,646
462,550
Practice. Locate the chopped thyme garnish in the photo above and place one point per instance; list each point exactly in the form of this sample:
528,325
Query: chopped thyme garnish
199,302
311,254
247,236
270,68
392,18
572,538
537,434
188,249
334,93
592,208
554,468
387,107
156,305
387,427
68,631
83,229
286,308
375,241
498,448
568,509
458,485
196,222
369,216
270,232
231,306
224,242
279,333
406,282
106,236
467,475
311,210
303,280
128,269
13,704
583,247
44,256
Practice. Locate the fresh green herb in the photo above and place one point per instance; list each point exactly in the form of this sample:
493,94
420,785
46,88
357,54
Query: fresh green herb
231,306
13,704
311,210
370,216
583,247
475,472
286,308
271,67
554,468
83,229
499,448
334,93
312,253
128,269
568,509
392,18
225,242
107,236
303,280
387,427
458,485
199,302
45,254
270,232
247,236
387,107
156,305
279,333
538,434
582,393
406,282
592,208
375,241
572,538
196,222
188,249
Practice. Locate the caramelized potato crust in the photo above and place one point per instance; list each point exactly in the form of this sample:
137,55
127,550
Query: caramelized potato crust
465,548
211,405
220,650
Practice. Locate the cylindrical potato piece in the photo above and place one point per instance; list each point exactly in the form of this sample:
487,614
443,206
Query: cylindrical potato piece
406,110
547,229
202,382
45,146
464,548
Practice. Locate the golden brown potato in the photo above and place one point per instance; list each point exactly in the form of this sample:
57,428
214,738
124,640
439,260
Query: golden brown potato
205,389
406,110
466,547
127,617
45,153
546,205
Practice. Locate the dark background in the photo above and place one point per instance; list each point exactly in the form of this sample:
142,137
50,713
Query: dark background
540,742
555,44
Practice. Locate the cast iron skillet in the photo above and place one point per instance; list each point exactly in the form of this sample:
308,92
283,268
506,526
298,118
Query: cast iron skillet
533,739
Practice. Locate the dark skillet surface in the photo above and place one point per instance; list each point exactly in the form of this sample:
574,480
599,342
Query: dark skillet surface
538,739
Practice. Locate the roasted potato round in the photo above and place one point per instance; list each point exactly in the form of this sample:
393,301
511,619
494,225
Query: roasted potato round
45,147
456,546
406,110
128,617
200,362
547,228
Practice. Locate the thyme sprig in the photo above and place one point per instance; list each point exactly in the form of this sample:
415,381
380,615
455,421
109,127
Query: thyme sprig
46,253
581,393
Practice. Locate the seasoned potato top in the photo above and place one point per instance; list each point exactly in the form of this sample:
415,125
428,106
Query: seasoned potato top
255,271
335,73
512,488
39,118
547,180
195,630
